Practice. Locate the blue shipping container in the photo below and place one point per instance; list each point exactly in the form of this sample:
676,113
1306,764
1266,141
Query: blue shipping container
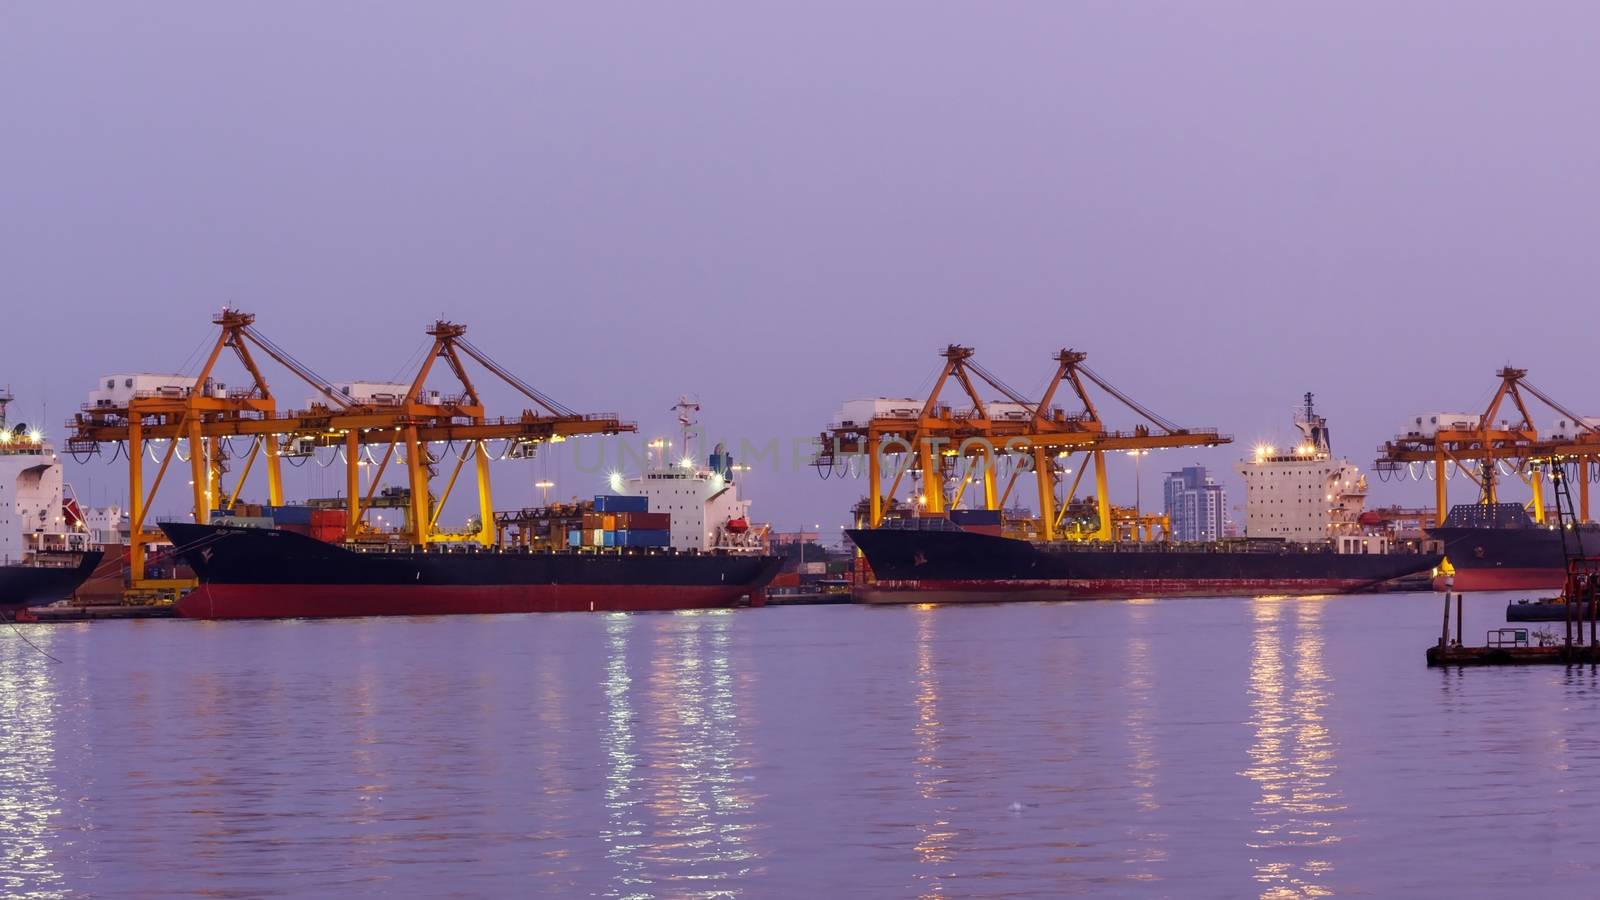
620,503
608,539
644,537
574,538
290,515
975,516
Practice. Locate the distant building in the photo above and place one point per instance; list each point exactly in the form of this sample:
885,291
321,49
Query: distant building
1196,505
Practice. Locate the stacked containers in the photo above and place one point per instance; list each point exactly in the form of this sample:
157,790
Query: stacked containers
328,525
622,521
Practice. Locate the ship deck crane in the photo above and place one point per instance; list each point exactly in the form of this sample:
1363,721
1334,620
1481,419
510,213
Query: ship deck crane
939,436
203,418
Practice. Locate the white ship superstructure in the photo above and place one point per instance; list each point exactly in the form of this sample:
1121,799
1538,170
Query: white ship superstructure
1302,493
707,511
31,492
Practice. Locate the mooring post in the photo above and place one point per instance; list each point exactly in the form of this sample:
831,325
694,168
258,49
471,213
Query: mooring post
1568,617
1458,621
1444,636
1594,612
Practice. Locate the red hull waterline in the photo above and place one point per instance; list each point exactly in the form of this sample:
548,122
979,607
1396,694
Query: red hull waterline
1499,579
1090,589
318,601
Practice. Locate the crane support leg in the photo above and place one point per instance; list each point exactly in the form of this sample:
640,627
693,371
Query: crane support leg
990,501
136,499
420,514
486,528
274,471
874,486
352,483
1102,494
932,477
199,472
1044,473
1536,481
1440,501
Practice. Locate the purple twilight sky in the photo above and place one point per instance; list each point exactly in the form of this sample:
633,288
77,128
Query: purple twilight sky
779,208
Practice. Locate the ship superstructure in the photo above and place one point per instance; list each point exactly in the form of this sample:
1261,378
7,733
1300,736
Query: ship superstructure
707,510
42,558
1303,493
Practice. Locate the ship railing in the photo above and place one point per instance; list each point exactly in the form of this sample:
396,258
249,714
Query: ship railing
1506,637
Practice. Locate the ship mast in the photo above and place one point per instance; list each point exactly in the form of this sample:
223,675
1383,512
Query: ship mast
688,410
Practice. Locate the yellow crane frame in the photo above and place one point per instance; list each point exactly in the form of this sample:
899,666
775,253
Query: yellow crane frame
201,419
939,434
1518,444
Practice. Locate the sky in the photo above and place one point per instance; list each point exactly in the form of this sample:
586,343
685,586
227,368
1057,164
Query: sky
777,208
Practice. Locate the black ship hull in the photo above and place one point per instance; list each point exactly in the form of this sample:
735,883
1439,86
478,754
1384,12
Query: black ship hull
952,566
1511,559
22,586
259,573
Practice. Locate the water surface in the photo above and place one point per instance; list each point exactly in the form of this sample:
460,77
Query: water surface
1186,748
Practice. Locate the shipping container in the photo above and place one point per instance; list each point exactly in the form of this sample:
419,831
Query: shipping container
814,568
575,538
330,516
975,516
593,521
652,537
615,503
608,538
332,534
643,521
290,515
597,537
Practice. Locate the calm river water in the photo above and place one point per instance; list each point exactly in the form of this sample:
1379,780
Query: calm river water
1226,747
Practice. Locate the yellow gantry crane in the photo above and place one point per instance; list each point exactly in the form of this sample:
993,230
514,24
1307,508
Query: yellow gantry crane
938,439
1491,440
203,417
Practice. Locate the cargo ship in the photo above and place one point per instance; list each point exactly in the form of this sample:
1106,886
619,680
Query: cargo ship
1303,537
42,558
702,554
932,560
1498,547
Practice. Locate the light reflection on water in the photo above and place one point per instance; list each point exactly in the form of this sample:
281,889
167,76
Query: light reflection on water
680,807
1144,756
935,835
1292,757
30,800
1274,747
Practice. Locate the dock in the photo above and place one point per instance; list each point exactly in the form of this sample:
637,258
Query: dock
1558,655
53,614
1517,645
